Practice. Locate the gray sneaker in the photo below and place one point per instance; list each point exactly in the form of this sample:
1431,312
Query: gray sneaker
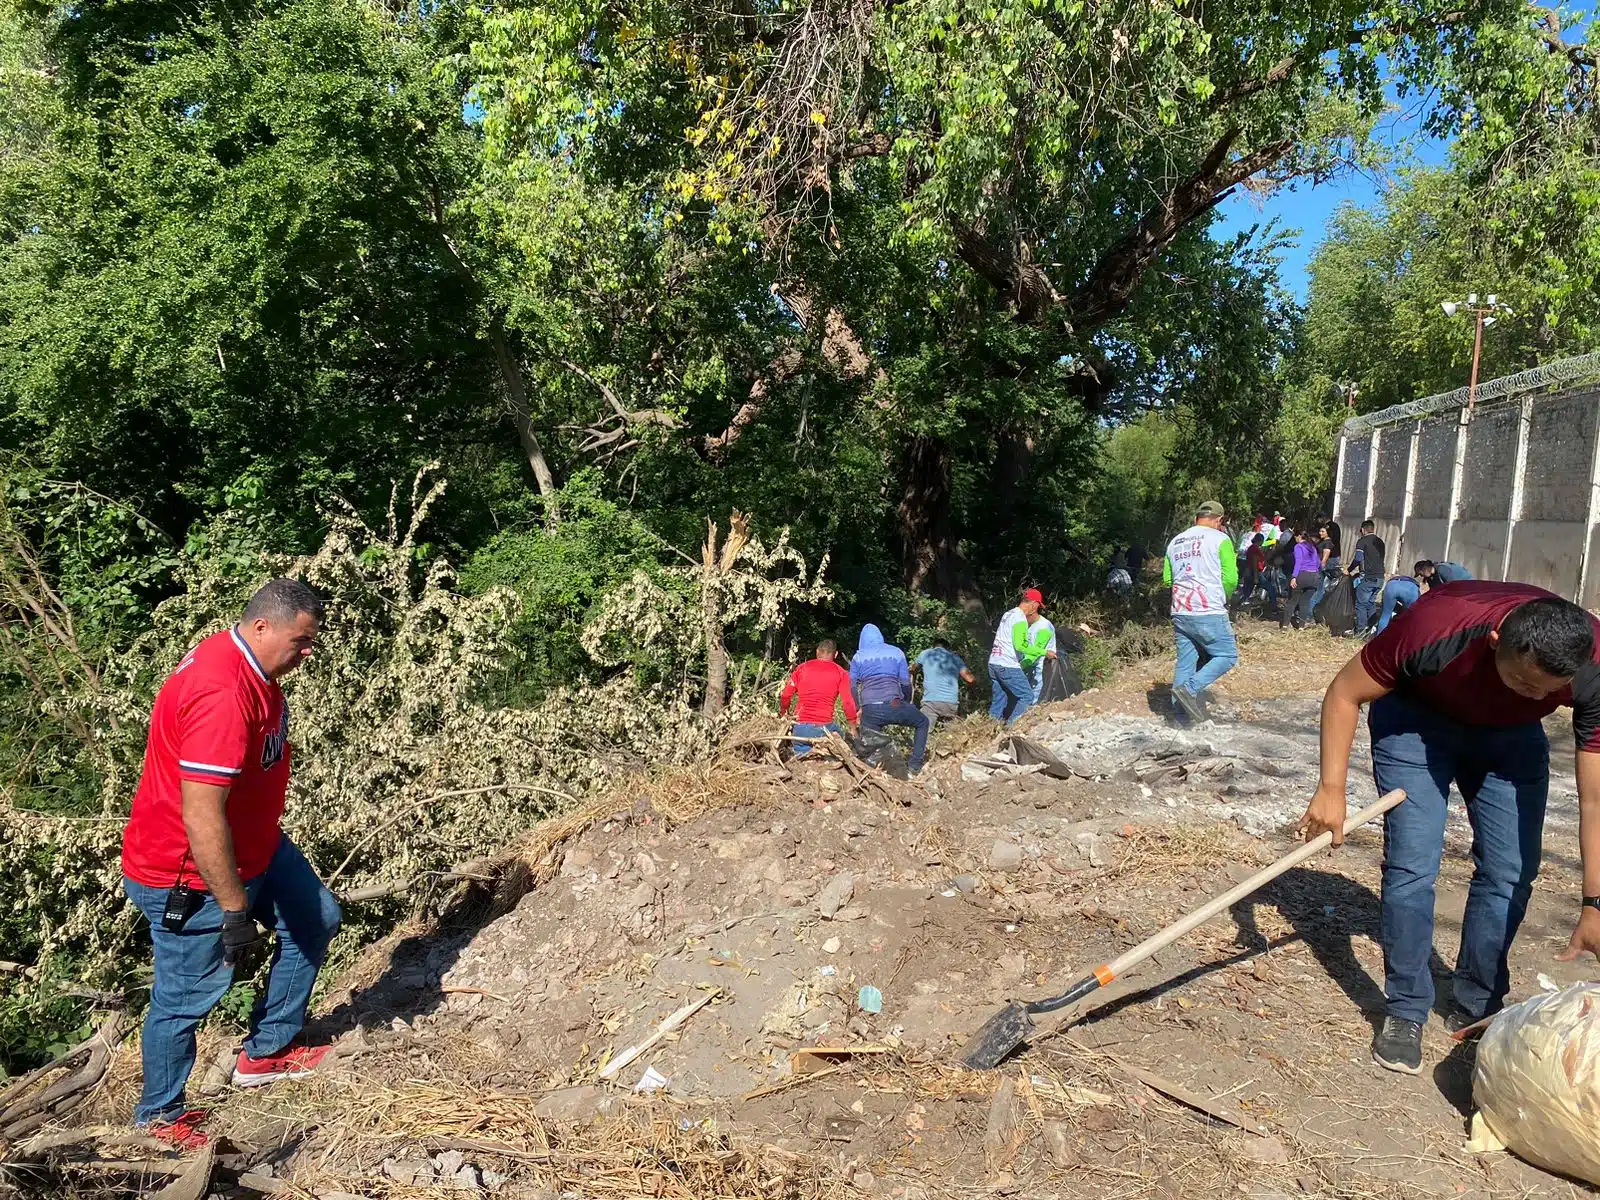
1189,703
1398,1046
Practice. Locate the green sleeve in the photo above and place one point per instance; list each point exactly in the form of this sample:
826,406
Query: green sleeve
1166,571
1019,638
1230,564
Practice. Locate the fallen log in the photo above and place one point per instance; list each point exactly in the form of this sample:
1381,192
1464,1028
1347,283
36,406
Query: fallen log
24,1106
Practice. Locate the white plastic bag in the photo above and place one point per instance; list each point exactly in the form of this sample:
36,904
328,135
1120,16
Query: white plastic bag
1537,1081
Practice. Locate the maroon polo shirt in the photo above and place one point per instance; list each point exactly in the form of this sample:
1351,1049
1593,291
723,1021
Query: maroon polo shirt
1438,652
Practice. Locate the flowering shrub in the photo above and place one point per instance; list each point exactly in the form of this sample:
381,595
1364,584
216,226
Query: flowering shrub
403,764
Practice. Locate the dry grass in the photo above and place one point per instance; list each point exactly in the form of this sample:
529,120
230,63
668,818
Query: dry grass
651,1149
1165,852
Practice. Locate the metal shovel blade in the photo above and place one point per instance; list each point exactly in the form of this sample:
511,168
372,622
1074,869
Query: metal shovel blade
997,1037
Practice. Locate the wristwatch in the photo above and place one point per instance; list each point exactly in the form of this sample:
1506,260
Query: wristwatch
1591,902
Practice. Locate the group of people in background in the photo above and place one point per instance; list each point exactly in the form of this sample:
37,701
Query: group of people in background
1212,578
879,687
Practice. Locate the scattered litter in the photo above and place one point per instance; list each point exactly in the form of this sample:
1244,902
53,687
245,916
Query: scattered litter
869,999
1011,928
1328,910
948,892
651,1081
827,970
609,1071
813,1060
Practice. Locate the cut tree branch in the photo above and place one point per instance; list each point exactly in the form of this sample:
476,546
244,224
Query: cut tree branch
505,358
841,347
1110,286
1308,55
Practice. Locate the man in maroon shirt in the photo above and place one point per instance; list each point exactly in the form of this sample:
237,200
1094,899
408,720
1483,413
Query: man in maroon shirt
818,684
1458,690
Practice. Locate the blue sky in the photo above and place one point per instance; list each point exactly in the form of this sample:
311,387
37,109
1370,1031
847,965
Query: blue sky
1307,208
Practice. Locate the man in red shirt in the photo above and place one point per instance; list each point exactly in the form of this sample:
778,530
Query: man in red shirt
818,684
1458,690
204,857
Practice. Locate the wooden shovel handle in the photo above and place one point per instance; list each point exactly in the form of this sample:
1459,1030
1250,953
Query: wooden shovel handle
1118,966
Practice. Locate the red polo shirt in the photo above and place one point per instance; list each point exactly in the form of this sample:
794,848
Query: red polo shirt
1438,652
217,719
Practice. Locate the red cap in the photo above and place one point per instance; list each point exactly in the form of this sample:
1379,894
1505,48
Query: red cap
1033,594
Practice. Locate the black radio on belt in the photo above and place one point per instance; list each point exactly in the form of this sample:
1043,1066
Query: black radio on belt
180,907
183,901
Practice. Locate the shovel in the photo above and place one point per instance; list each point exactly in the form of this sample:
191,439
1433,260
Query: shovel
1009,1028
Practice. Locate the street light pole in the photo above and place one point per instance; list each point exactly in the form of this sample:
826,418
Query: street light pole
1483,317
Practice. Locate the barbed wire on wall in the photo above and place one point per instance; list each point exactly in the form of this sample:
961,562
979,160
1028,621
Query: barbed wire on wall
1560,371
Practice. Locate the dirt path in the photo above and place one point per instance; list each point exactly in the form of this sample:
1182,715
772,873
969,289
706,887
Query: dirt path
479,1051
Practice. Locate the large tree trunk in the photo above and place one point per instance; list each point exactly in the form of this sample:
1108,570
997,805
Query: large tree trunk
517,399
715,564
1013,459
933,561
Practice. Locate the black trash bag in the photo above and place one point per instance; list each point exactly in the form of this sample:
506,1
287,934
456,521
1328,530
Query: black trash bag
877,749
1060,680
1338,608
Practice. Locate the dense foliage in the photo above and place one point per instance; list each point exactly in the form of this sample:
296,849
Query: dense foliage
931,289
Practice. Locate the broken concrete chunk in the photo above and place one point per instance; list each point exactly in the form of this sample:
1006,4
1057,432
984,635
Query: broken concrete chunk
1090,846
1005,856
836,893
408,1172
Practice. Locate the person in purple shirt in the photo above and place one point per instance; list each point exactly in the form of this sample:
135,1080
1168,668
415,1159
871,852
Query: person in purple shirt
880,677
1305,573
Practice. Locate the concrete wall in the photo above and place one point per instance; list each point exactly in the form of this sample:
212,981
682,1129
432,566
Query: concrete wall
1522,502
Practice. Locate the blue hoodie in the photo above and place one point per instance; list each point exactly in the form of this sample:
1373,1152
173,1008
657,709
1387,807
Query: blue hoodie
879,673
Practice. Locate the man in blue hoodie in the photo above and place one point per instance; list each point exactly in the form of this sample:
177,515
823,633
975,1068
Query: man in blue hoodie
880,678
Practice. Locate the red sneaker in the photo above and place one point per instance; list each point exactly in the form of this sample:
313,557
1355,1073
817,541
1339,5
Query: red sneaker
182,1132
296,1062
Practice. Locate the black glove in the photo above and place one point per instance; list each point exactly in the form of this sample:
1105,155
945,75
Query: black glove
239,933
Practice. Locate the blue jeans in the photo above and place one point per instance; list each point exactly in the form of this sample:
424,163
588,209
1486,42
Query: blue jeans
1503,774
1011,692
1211,633
900,712
804,729
1397,593
190,976
1367,589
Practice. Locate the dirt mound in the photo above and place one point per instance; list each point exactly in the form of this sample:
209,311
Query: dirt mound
846,936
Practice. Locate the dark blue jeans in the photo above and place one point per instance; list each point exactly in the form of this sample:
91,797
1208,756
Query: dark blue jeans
1503,774
191,976
1010,692
900,712
1367,589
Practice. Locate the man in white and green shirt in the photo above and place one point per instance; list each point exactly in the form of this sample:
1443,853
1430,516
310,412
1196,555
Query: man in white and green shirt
1202,570
1022,639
